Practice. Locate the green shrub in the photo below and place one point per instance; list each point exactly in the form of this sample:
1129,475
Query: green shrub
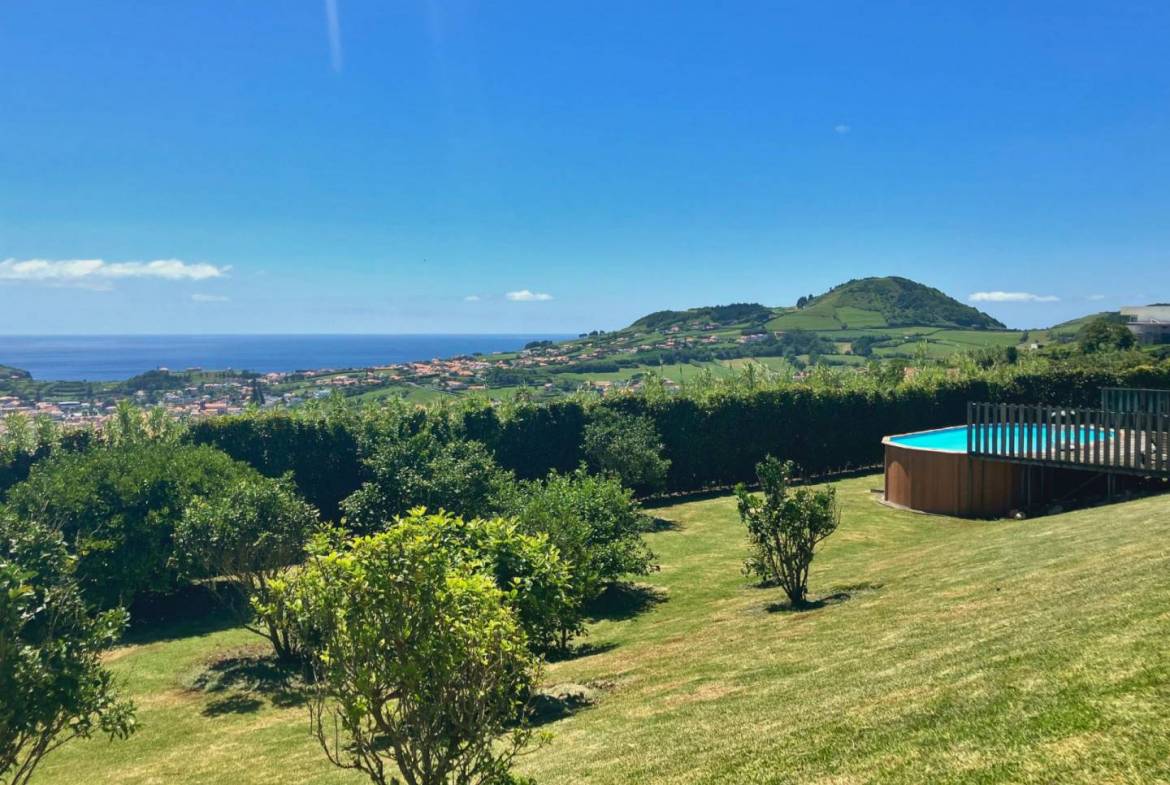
627,446
712,435
785,526
424,471
117,509
594,523
529,570
247,535
420,665
1104,334
53,686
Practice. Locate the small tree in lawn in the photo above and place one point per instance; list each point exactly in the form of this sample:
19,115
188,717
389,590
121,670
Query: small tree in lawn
53,686
421,667
248,536
785,526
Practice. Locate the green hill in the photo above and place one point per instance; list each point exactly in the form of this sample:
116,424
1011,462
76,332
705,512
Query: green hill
715,314
8,372
1072,328
883,302
860,304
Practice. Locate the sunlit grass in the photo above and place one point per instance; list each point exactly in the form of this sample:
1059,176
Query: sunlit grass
1024,651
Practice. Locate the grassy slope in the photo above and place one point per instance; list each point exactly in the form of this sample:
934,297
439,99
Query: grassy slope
1033,651
877,302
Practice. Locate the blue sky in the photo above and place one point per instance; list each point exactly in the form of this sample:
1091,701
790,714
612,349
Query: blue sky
345,166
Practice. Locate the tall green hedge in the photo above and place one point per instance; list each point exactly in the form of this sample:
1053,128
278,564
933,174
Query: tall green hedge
322,453
717,440
712,440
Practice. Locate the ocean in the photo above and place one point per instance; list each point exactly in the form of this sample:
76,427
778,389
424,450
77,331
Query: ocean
111,357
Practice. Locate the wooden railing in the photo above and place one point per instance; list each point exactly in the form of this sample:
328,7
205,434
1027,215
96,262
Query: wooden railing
1132,442
1135,399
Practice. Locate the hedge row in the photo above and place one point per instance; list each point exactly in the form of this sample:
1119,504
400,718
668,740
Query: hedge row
710,442
322,454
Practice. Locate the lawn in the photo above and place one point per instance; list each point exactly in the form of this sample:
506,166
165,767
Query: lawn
955,652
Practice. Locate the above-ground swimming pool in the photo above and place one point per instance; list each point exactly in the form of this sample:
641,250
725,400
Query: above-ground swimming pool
1033,437
931,471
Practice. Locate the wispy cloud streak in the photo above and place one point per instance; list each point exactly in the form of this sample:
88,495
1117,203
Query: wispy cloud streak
526,296
333,26
83,272
1012,297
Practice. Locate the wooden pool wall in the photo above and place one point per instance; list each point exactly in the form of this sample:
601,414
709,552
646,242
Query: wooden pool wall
951,483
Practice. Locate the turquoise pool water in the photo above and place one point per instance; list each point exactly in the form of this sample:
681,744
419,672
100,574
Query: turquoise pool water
955,439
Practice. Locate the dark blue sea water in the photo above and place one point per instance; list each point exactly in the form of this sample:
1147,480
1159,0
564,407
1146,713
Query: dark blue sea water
105,357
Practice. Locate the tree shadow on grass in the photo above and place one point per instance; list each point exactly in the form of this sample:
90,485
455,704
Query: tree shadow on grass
558,701
188,611
557,704
246,678
839,595
808,605
579,650
143,632
653,525
621,601
239,703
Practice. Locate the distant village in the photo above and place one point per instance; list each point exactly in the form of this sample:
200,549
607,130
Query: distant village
232,392
542,367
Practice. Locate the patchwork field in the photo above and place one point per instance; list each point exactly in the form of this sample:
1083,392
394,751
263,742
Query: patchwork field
948,652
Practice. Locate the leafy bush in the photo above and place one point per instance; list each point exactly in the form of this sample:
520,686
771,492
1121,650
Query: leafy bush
595,525
627,446
53,686
247,535
785,527
1104,334
25,440
131,425
420,664
526,567
117,509
424,471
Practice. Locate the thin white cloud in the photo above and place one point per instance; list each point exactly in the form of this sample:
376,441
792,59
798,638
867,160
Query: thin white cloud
526,296
333,25
1012,297
1095,297
210,298
471,298
841,128
98,273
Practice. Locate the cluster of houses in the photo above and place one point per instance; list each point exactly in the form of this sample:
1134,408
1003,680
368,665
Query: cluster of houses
96,412
229,394
58,410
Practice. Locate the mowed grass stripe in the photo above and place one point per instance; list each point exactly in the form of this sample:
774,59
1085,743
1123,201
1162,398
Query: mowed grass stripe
968,652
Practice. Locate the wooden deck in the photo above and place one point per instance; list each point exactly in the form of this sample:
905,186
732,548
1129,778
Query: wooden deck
1117,442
